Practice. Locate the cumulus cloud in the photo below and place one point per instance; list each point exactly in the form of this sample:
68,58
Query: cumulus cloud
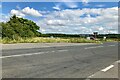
17,13
70,21
31,11
26,11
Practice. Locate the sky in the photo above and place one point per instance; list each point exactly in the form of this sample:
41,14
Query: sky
66,17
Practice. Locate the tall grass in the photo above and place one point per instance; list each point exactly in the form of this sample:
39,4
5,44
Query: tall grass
47,40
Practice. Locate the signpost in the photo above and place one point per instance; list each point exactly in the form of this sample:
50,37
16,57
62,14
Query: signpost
95,34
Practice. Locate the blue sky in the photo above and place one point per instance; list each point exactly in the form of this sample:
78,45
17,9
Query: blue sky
66,17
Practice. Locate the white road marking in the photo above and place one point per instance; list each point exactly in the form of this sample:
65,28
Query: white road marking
23,55
104,70
29,54
94,47
62,50
108,68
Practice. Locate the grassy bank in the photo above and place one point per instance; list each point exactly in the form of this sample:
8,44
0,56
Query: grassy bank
47,40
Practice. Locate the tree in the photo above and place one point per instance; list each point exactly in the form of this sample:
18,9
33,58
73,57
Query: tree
19,27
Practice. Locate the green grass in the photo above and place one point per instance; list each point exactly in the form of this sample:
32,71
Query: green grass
47,40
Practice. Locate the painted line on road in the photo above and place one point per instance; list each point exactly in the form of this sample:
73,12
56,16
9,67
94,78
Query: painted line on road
62,50
94,47
104,70
30,54
23,55
108,68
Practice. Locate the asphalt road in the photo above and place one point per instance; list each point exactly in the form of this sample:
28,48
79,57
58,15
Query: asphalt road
77,61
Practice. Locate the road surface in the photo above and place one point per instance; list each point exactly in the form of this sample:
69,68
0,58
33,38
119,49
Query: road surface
75,61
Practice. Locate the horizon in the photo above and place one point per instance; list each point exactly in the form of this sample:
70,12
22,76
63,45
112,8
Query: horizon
66,17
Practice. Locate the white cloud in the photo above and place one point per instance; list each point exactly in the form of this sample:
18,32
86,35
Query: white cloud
70,3
26,11
31,11
69,21
56,8
17,13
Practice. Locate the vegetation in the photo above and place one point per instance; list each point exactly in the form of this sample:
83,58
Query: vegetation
48,40
110,36
20,30
17,28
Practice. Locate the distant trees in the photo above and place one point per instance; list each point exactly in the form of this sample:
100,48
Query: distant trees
19,27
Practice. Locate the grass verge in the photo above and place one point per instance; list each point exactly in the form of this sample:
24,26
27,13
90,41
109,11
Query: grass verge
47,40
